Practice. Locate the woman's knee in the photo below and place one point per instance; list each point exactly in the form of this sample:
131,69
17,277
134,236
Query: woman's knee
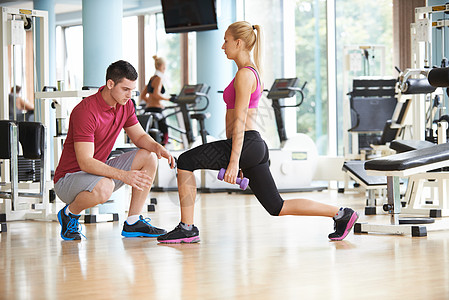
103,190
270,199
185,163
264,188
275,209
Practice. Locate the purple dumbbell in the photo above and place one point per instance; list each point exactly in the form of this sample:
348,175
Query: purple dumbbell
243,182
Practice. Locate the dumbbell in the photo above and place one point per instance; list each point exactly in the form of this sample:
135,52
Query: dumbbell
243,182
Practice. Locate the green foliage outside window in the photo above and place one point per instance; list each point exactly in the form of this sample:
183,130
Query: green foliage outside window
311,66
357,23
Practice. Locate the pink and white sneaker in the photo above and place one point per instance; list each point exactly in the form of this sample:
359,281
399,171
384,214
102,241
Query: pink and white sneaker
180,235
344,224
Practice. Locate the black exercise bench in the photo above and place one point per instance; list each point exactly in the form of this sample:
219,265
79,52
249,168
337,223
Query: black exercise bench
356,170
407,164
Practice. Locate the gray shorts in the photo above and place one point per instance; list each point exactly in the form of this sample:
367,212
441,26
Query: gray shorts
69,186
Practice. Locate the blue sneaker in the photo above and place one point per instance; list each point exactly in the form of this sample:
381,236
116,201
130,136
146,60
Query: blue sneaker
142,228
70,226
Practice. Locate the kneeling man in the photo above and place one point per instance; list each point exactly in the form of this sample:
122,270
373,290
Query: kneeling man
85,177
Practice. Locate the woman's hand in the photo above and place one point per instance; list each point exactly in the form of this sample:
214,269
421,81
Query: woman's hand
232,172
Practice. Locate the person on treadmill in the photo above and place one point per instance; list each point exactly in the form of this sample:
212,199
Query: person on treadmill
152,94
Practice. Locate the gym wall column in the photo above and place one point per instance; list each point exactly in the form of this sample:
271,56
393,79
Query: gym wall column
49,6
102,38
213,68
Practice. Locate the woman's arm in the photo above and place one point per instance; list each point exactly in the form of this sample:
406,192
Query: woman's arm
144,94
243,83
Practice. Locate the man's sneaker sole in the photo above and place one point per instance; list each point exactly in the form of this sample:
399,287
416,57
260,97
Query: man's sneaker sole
60,222
194,239
354,218
140,234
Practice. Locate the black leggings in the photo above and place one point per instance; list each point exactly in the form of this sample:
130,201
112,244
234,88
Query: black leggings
161,124
253,162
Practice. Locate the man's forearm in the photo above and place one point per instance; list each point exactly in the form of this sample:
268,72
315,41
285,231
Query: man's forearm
145,141
96,167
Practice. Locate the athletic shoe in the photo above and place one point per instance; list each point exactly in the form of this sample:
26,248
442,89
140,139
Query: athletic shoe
181,235
343,225
70,227
142,228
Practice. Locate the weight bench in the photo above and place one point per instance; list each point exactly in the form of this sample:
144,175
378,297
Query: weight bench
417,163
356,170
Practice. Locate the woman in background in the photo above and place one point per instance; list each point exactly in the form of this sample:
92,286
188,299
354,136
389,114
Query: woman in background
153,95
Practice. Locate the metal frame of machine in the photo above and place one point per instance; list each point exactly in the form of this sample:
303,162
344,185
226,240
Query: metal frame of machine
37,206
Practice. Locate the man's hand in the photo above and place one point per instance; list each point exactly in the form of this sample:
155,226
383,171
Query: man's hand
137,179
160,151
144,141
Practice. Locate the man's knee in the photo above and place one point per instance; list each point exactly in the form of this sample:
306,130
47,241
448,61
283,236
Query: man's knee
103,190
145,157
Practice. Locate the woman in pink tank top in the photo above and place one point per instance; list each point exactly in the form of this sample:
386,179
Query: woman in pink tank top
244,149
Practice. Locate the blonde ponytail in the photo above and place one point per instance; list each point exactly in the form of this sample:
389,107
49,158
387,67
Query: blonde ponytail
158,61
247,33
258,53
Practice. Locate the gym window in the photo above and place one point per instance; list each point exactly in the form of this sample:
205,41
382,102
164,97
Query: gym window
300,38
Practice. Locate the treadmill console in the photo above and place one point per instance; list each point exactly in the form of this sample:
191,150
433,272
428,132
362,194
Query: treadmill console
191,93
283,88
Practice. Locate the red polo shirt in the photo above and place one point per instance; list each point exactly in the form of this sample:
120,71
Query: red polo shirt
92,120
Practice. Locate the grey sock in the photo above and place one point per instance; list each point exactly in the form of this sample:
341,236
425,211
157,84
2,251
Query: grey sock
186,226
340,214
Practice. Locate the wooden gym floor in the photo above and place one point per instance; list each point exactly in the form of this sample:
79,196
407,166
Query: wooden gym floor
244,254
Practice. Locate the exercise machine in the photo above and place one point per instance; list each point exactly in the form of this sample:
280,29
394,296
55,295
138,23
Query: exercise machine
31,199
406,86
186,106
63,103
19,204
369,94
297,152
191,103
425,167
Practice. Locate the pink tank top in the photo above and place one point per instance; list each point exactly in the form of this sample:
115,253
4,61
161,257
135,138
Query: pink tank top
229,93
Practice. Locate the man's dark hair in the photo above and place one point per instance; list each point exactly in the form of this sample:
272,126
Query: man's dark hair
119,70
